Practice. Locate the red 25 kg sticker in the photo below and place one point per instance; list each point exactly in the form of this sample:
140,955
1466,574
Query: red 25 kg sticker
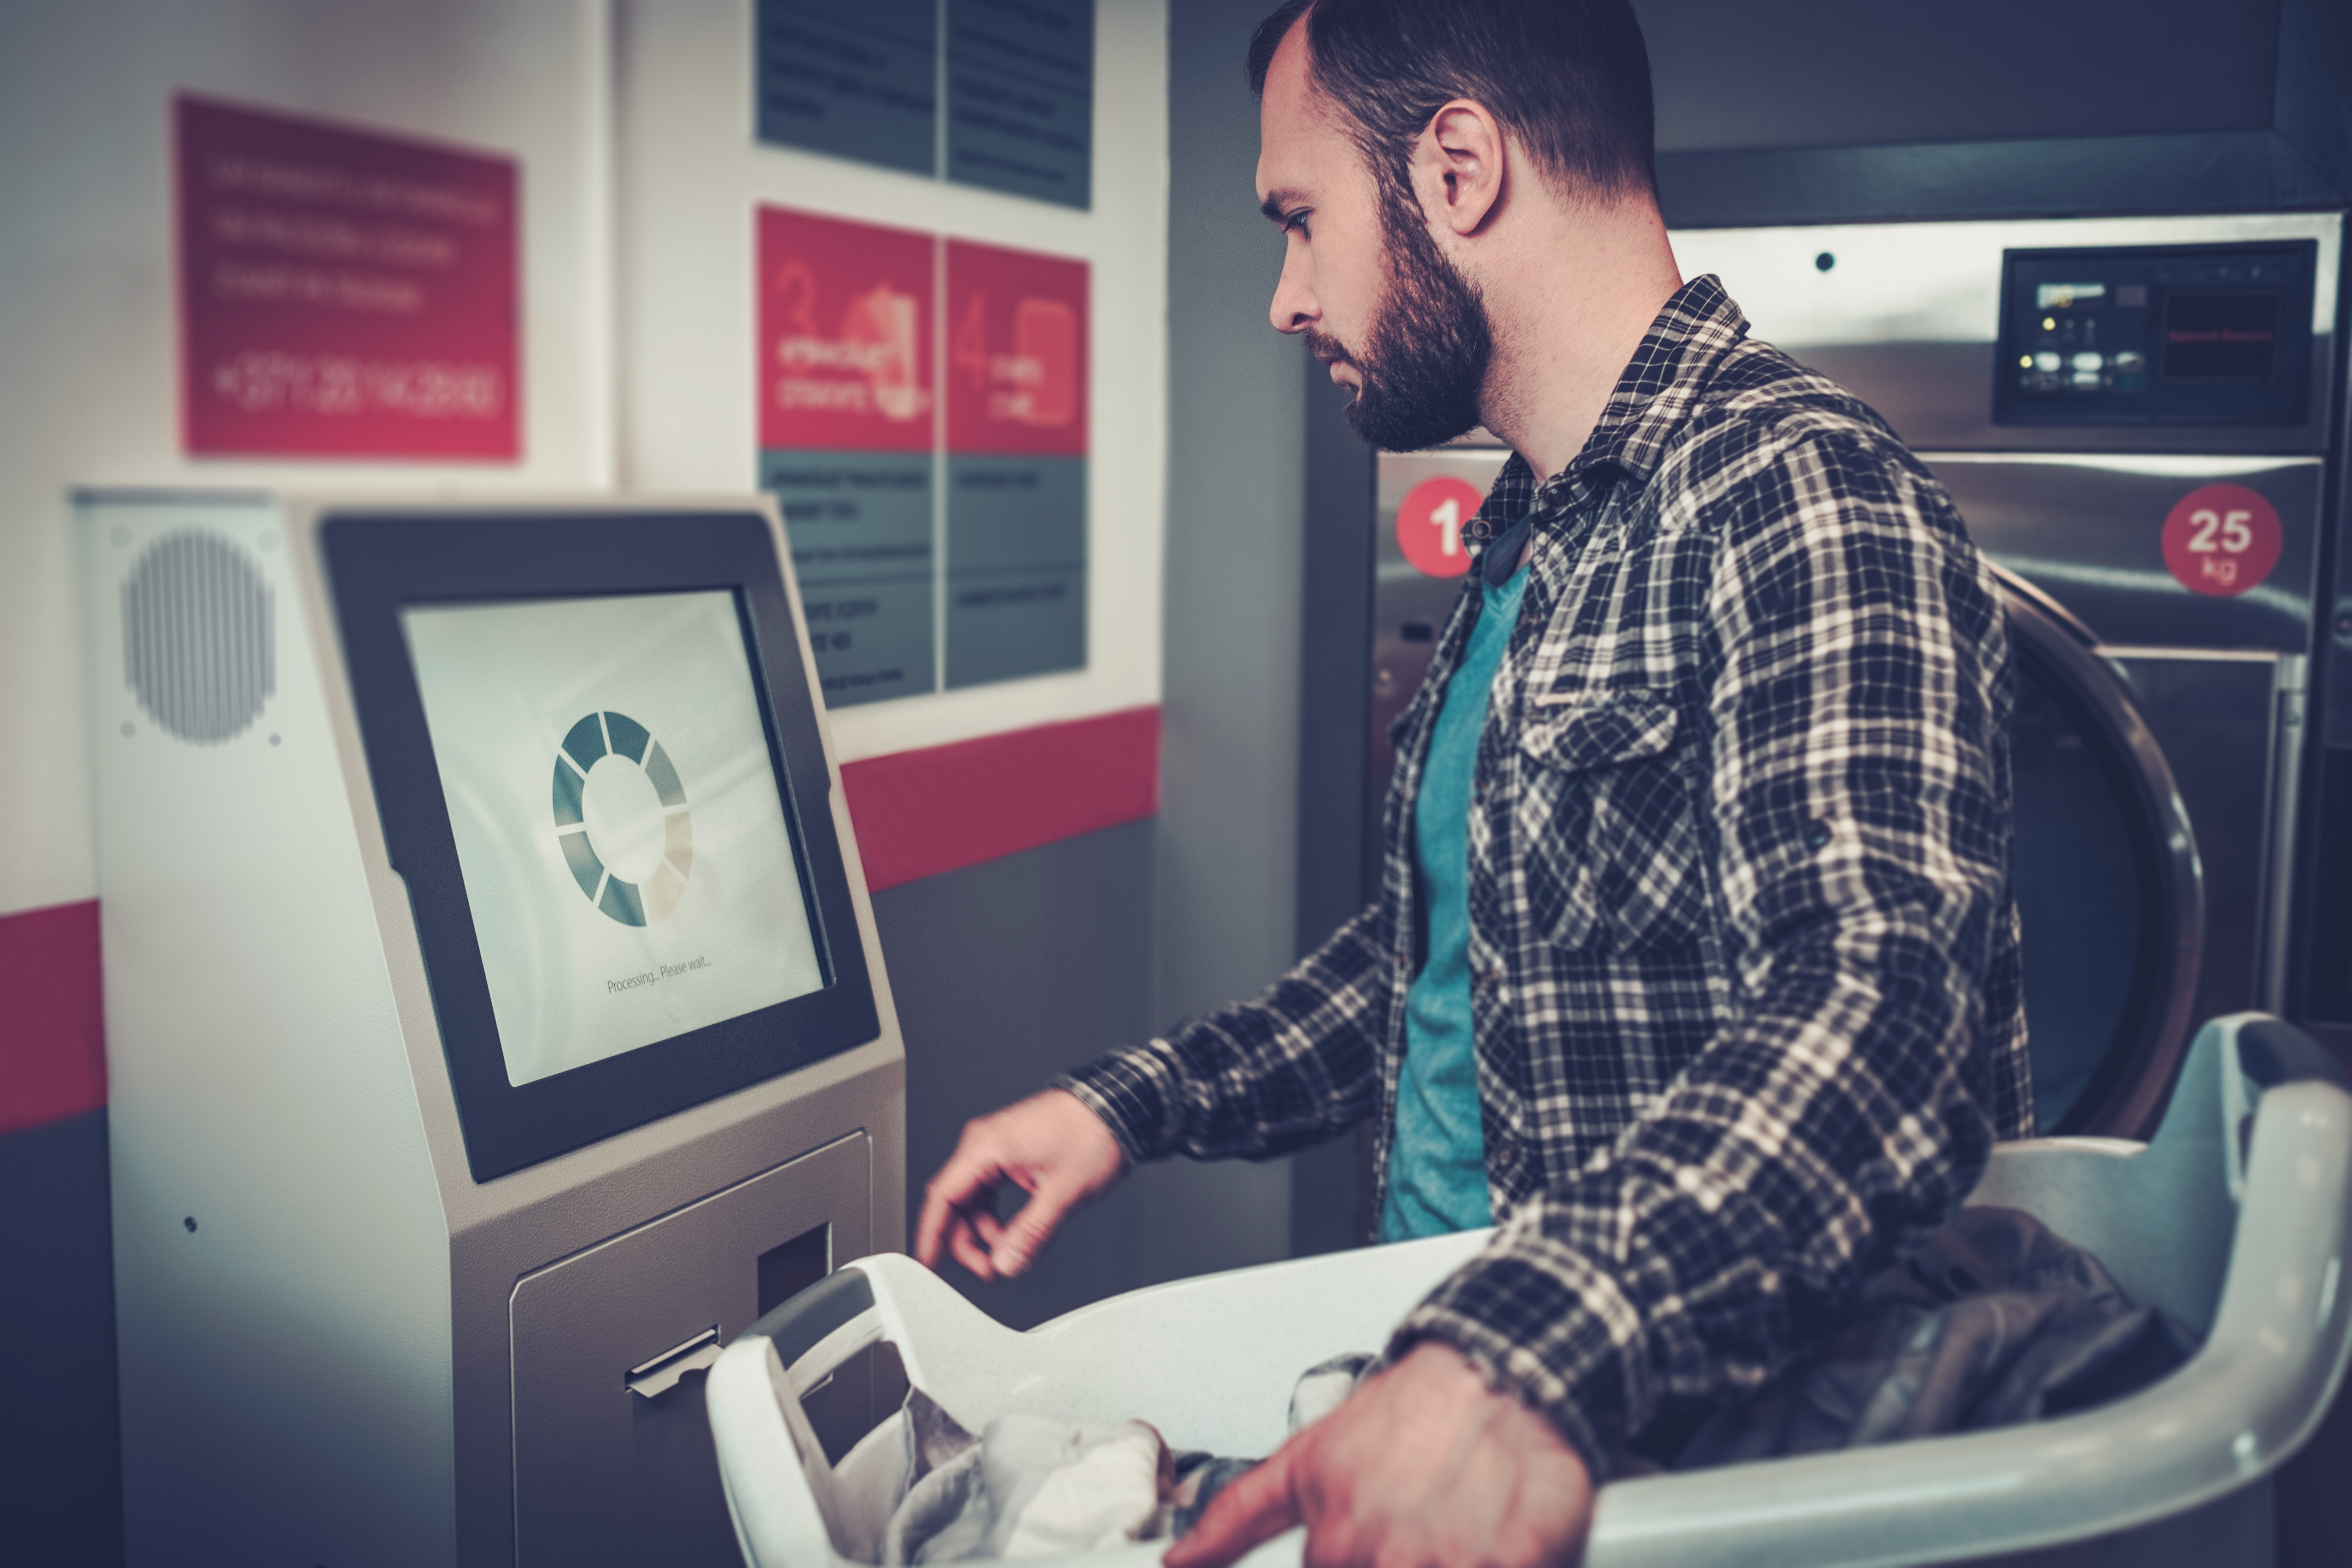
2221,540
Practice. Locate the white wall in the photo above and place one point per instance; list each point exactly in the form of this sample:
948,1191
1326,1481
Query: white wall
88,367
691,175
654,257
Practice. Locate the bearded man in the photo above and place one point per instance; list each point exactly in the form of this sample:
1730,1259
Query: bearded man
1693,968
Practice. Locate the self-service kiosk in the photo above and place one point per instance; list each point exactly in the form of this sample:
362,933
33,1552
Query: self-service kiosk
496,1024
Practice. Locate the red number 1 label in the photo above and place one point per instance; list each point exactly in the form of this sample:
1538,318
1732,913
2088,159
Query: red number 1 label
2221,540
1429,525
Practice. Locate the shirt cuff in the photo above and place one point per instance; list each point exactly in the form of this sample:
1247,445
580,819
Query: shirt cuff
1541,1322
1133,1090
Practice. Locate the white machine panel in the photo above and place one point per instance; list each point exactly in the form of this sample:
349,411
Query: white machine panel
375,1248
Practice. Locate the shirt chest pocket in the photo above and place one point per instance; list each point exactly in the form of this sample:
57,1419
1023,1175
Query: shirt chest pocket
1604,818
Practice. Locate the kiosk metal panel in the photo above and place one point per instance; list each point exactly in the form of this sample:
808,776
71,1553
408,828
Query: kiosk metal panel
612,1455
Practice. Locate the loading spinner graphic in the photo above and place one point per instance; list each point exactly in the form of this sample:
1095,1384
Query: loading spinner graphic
621,819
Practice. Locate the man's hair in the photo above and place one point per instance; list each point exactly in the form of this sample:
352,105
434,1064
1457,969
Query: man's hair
1570,79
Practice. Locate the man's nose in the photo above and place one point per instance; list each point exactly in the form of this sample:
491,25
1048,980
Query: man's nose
1293,309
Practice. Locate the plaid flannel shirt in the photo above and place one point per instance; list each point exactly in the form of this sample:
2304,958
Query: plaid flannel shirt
1744,956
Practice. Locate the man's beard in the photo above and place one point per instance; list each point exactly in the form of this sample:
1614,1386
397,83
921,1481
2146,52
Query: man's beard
1425,361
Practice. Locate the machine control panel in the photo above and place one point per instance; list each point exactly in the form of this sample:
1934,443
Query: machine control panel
2208,334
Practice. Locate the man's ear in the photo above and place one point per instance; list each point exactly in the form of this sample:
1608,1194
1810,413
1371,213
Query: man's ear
1458,167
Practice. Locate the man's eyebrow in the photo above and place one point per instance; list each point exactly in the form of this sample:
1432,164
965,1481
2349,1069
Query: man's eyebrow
1275,200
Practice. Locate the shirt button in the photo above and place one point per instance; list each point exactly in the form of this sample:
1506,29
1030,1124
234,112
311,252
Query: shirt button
1817,835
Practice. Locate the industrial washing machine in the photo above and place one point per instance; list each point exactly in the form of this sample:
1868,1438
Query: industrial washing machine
2137,419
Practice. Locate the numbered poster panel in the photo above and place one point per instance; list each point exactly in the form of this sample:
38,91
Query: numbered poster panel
857,79
1016,467
343,294
848,410
1021,97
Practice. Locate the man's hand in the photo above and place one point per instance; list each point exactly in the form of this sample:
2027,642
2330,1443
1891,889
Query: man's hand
1049,1146
1423,1467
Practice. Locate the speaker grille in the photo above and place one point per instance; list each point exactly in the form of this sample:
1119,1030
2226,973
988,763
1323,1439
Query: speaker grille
198,645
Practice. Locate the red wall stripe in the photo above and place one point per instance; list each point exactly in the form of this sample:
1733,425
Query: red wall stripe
52,1019
918,814
924,812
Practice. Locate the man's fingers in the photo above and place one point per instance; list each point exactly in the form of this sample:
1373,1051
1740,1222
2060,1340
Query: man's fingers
963,1183
1027,1233
930,1230
968,1250
1255,1506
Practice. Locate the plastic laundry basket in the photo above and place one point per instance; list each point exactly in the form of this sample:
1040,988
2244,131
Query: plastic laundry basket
2243,1237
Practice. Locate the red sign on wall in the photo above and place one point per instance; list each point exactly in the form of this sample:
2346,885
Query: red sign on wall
1016,352
2221,540
1429,524
343,294
845,335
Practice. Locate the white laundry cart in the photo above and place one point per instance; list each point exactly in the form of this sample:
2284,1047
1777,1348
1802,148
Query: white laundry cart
2237,1218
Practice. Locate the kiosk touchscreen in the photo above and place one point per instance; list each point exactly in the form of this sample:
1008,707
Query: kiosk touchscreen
600,806
495,1017
499,683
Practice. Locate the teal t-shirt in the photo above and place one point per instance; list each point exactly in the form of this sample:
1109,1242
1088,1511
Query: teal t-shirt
1437,1159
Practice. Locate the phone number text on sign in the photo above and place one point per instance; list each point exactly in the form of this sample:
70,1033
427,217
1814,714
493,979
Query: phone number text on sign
344,292
2221,540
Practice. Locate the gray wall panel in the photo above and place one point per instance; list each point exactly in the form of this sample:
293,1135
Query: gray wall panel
60,1465
1830,73
1005,973
1228,840
1330,1193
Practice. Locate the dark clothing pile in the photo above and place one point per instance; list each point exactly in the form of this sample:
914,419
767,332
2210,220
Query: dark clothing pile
1993,1321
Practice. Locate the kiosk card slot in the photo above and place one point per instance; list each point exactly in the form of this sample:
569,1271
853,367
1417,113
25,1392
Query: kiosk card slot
651,1380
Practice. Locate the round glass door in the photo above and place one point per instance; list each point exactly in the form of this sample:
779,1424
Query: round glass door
2106,876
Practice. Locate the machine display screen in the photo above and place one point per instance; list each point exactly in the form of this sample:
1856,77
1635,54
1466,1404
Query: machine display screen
2159,335
599,762
624,847
2220,337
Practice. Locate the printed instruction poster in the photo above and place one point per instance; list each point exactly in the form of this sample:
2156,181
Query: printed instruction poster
1016,565
857,79
1021,97
931,472
847,427
866,79
343,293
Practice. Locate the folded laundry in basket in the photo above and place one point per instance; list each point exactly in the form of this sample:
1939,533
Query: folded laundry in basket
1030,1485
1993,1321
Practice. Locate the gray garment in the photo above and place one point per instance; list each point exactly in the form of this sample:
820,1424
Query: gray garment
1321,1389
1028,1485
1992,1321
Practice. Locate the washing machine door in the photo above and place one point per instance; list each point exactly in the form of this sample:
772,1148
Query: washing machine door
2109,894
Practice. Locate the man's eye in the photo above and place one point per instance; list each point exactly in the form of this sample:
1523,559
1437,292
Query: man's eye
1295,223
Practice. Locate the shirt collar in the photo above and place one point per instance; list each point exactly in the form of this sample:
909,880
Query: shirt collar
1660,385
